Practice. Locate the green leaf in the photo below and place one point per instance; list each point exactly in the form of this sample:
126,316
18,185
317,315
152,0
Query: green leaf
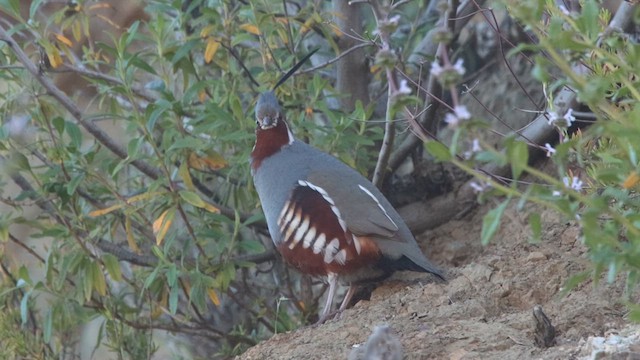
48,326
73,184
141,64
58,124
172,275
131,33
87,280
20,161
34,8
518,154
536,227
192,198
574,281
252,246
491,222
438,150
113,266
173,299
134,146
24,308
74,134
4,232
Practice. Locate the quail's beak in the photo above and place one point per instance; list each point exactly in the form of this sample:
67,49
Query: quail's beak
267,122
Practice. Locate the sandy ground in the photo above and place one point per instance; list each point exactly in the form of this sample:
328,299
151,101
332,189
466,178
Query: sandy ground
486,309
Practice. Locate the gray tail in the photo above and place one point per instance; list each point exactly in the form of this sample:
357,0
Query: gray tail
405,263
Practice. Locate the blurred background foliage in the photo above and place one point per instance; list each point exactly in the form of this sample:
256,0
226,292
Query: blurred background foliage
130,227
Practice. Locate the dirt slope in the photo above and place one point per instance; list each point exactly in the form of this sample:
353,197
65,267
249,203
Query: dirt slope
485,311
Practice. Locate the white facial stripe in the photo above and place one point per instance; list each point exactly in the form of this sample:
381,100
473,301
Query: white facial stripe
377,202
289,133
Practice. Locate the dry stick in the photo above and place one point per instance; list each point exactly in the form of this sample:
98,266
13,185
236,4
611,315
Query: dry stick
392,84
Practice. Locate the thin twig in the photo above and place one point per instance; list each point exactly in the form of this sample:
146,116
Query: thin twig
336,59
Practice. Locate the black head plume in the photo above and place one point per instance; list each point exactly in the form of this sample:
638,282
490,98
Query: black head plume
295,68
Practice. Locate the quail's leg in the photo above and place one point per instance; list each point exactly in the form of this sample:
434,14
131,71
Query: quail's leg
347,297
333,283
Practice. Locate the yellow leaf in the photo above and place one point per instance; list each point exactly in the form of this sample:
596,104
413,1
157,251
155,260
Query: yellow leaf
99,282
212,161
162,224
192,198
307,25
129,201
76,30
214,297
100,212
206,31
54,58
210,50
157,310
108,21
130,239
143,196
202,95
187,287
336,30
631,180
102,5
183,171
63,39
250,28
211,208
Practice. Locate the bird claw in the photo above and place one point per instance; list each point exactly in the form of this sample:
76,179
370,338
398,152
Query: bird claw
337,314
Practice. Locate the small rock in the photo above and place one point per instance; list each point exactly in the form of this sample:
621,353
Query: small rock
545,333
381,345
536,256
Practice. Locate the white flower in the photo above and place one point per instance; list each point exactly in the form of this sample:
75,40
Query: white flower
555,119
552,117
475,146
404,87
459,68
556,193
550,149
451,120
568,117
436,69
478,188
574,183
564,10
17,125
461,112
